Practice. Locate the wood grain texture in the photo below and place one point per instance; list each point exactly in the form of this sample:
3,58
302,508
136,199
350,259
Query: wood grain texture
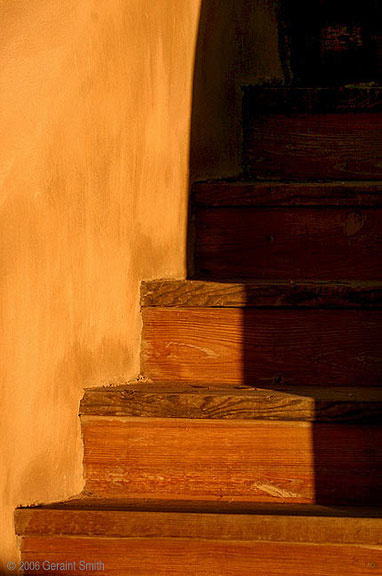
237,460
260,294
263,348
185,557
263,194
303,147
154,400
285,243
264,523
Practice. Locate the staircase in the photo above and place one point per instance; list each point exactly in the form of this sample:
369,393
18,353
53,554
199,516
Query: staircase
252,445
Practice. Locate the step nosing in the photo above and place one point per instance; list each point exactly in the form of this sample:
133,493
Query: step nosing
194,293
202,521
87,503
227,403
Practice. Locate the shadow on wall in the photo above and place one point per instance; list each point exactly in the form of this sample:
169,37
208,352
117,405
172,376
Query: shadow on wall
237,44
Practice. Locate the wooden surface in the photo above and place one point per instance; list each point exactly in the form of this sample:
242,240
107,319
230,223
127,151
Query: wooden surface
260,294
286,243
85,502
262,348
317,100
266,194
260,461
311,524
322,146
152,400
182,557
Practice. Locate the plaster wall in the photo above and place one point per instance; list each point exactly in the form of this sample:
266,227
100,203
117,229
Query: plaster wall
96,112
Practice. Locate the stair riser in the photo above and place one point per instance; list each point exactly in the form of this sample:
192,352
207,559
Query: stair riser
163,557
263,347
346,146
283,243
233,460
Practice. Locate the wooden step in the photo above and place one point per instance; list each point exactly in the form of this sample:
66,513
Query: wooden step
262,333
179,538
313,133
267,194
222,402
155,441
362,99
263,347
260,294
304,231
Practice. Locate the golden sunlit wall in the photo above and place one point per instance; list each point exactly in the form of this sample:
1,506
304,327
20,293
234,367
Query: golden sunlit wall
95,120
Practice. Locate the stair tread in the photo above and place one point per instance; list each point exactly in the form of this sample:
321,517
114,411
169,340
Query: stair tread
322,100
202,520
178,400
85,502
278,193
262,293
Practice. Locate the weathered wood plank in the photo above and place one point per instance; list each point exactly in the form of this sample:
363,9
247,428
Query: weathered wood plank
285,243
260,294
287,523
262,348
153,400
182,557
322,146
233,460
266,194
